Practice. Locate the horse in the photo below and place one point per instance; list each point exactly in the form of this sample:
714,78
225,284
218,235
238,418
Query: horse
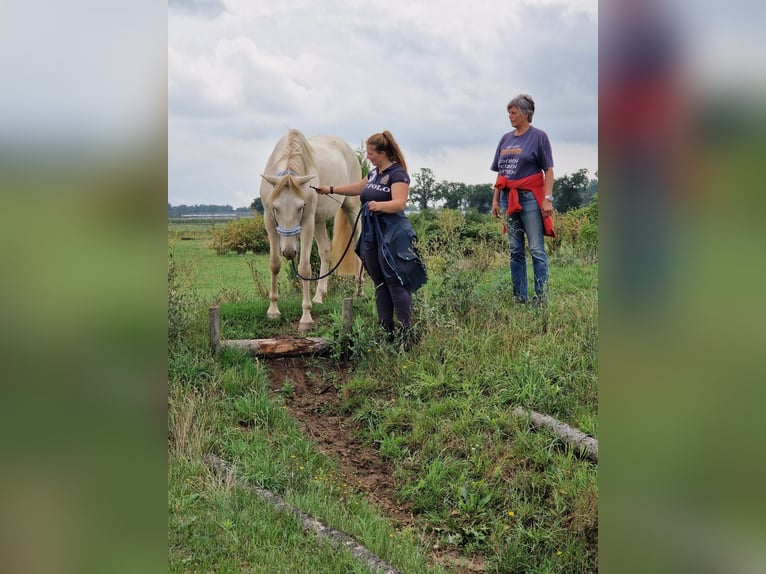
292,210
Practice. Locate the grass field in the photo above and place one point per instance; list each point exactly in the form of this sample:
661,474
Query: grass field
484,489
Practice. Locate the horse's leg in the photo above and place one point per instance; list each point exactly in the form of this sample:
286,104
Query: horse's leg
304,268
275,264
324,248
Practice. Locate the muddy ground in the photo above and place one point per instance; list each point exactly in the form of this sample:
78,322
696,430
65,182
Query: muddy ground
315,404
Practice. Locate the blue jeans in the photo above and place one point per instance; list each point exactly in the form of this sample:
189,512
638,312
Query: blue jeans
527,222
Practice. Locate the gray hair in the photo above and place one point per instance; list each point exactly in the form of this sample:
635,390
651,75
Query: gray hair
525,104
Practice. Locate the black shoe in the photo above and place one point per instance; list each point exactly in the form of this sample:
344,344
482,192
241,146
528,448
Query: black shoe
410,337
539,302
389,332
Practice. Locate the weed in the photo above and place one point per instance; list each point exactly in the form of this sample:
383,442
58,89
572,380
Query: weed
260,285
180,302
287,389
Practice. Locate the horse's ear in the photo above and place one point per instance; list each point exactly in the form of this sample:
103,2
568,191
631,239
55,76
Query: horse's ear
301,179
271,179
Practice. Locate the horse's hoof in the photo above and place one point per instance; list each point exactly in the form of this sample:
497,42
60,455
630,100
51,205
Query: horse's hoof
305,327
273,315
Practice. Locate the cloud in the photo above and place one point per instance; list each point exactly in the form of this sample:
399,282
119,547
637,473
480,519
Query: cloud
204,8
438,77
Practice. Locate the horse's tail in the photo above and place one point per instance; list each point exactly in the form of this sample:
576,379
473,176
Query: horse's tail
341,236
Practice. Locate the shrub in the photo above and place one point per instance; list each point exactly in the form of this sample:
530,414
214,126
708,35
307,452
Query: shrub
578,228
180,303
241,236
589,232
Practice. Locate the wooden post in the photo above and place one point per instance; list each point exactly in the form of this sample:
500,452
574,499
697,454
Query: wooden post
214,316
347,314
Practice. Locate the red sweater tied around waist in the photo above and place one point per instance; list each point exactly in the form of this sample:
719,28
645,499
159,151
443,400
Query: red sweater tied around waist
534,183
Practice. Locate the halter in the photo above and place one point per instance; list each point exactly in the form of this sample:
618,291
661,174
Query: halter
293,230
288,232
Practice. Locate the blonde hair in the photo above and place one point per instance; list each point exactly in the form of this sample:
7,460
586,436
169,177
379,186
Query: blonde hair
384,142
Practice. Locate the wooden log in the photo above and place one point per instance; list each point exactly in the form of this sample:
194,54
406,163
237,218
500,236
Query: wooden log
286,347
582,442
214,320
323,532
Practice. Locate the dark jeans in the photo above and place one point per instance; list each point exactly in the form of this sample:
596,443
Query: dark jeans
390,296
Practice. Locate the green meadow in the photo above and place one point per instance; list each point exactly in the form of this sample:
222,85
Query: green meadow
483,487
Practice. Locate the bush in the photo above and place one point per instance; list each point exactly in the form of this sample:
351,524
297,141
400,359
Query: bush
180,303
589,233
241,236
578,228
451,229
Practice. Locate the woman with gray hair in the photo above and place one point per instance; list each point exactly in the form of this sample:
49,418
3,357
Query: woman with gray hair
524,191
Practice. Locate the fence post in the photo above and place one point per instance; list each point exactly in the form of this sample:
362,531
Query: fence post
347,314
214,317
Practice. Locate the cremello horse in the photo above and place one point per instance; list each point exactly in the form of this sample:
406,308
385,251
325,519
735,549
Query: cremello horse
292,210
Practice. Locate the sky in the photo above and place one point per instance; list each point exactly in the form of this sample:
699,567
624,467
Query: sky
438,75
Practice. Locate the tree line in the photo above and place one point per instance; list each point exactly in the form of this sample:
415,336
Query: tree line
570,192
175,211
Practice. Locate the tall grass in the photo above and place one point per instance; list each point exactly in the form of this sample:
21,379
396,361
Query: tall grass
479,480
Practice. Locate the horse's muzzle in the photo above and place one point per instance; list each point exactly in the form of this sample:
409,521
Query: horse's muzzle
289,246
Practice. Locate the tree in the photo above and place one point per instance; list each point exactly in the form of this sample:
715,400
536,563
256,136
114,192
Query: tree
424,190
361,157
478,197
569,190
257,205
590,191
453,194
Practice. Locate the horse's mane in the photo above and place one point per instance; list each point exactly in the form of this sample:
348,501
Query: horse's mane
298,153
297,157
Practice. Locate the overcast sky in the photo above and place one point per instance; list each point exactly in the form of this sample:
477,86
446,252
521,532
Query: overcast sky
438,75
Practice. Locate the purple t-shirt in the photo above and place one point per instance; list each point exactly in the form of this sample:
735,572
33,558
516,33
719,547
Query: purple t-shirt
521,156
378,186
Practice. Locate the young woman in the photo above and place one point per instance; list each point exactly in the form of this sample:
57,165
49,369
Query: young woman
386,245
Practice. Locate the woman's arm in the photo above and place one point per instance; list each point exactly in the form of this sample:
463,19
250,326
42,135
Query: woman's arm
495,202
346,189
547,204
399,193
548,175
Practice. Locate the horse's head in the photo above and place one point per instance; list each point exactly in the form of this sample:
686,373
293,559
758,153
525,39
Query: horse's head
286,205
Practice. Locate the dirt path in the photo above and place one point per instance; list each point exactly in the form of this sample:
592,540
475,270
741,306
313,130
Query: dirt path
313,402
